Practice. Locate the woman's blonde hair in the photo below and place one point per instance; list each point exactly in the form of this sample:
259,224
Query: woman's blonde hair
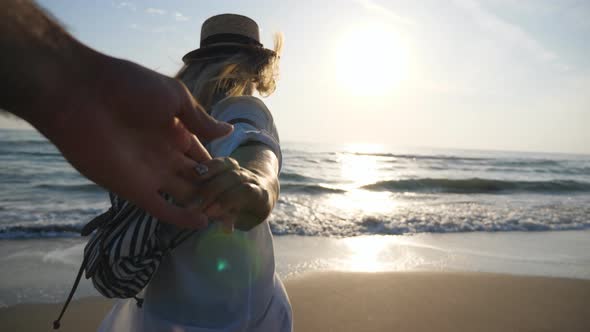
234,74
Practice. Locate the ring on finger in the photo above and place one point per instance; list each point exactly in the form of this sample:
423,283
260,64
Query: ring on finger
201,169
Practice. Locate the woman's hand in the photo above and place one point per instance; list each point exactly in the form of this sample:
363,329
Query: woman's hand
241,194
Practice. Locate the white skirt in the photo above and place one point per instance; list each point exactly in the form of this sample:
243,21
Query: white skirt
126,316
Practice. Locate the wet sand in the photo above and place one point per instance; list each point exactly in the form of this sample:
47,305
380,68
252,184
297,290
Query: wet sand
388,301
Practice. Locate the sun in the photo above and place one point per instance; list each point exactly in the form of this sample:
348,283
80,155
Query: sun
371,60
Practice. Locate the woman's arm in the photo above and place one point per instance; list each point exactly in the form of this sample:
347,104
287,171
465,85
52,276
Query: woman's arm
242,189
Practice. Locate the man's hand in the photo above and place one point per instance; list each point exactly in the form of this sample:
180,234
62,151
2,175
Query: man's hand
132,138
125,127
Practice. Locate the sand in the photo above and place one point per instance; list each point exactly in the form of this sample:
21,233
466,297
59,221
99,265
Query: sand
389,301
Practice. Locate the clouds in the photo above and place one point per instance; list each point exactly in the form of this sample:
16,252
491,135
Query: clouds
178,16
384,11
509,34
153,29
126,5
155,11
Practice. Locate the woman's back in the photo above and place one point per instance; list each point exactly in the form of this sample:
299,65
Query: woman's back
215,281
214,278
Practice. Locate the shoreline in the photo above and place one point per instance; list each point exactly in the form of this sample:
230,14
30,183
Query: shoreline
385,301
564,254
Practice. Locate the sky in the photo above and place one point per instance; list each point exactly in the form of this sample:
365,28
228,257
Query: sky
495,74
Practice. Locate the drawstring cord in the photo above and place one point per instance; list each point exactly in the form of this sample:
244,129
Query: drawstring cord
56,323
178,239
138,301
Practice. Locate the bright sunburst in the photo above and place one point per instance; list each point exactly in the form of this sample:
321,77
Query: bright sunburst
371,60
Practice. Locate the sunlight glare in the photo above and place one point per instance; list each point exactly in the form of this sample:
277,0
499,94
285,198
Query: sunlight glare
365,148
366,253
371,59
364,201
358,169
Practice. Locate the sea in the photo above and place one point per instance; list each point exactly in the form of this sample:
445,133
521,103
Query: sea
361,207
333,191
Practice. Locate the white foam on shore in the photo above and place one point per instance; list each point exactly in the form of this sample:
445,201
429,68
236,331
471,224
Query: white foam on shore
70,255
555,254
43,270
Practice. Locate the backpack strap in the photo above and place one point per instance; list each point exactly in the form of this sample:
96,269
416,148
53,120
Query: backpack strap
97,221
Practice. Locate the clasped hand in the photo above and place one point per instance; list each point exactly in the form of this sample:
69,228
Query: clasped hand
228,193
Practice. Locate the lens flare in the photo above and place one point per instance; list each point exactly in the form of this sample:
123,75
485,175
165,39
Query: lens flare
222,265
226,260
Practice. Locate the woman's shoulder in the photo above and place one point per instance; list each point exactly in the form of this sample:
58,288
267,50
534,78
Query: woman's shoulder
245,100
241,107
252,122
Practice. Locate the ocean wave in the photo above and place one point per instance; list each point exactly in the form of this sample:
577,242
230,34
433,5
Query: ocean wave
315,218
548,170
310,189
40,231
20,142
287,176
309,216
336,227
84,187
418,156
52,154
478,186
376,225
526,162
573,171
373,225
500,162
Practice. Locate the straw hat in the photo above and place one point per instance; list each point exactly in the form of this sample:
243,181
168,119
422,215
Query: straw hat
226,33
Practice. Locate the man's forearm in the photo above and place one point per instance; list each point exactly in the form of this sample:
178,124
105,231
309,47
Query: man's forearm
40,62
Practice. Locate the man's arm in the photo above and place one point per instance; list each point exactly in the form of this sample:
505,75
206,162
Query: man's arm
127,128
35,51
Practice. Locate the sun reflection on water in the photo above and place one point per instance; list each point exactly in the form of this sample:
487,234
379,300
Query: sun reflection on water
358,170
359,166
364,148
364,202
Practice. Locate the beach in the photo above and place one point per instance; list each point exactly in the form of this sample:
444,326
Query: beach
386,301
517,281
417,166
365,240
427,301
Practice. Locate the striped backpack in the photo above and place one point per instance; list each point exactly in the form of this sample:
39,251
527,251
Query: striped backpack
123,252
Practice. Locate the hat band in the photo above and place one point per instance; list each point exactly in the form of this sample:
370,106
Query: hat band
229,38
